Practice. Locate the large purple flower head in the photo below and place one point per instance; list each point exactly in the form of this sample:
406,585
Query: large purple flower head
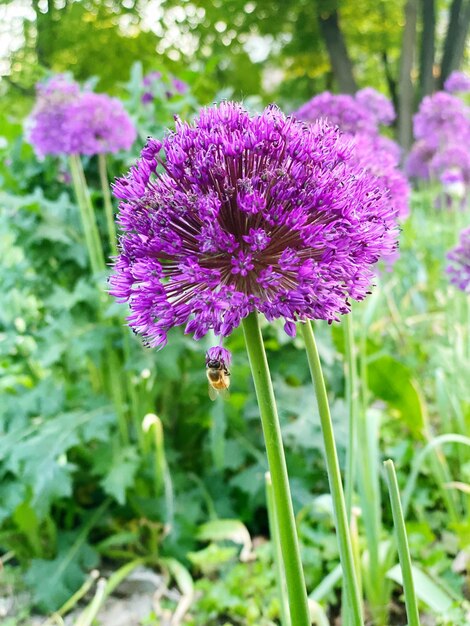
247,213
49,120
68,121
378,104
457,82
339,110
459,268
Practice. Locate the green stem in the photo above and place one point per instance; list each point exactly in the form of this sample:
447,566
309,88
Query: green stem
277,466
87,229
334,478
277,554
403,549
352,389
108,205
87,210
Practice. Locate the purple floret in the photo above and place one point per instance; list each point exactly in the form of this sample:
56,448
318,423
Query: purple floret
247,213
218,353
459,268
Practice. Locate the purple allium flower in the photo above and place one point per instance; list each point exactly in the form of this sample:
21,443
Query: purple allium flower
441,118
380,156
457,82
218,353
359,118
378,104
49,119
418,159
247,213
339,110
99,124
454,157
67,121
459,268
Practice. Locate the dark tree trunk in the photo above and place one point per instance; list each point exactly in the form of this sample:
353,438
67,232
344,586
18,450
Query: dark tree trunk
391,82
337,51
459,48
457,31
43,32
428,47
405,86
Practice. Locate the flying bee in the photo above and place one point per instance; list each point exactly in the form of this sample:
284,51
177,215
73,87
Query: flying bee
218,376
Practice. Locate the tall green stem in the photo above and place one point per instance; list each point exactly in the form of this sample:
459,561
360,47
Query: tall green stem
334,478
108,205
277,554
403,549
92,236
277,466
352,390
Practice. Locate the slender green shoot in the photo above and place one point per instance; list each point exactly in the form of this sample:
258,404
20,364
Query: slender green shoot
403,549
108,204
334,477
277,555
162,476
277,466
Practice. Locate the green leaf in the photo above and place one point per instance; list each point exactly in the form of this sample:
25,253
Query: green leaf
53,581
427,590
393,382
123,467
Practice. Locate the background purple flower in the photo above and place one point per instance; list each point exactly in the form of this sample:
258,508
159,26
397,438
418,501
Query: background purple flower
49,121
459,268
359,117
457,82
339,110
68,121
170,88
378,104
99,124
248,213
218,353
440,119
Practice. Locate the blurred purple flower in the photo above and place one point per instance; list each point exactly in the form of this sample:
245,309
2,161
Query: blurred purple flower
380,156
67,121
457,82
339,110
378,104
442,118
99,124
249,213
459,268
150,79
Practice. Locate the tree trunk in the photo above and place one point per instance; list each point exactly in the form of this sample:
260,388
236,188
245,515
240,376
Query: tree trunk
457,31
405,85
391,82
428,47
337,51
460,42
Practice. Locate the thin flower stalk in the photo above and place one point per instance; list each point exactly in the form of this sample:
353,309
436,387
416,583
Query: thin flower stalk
284,511
108,205
354,602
